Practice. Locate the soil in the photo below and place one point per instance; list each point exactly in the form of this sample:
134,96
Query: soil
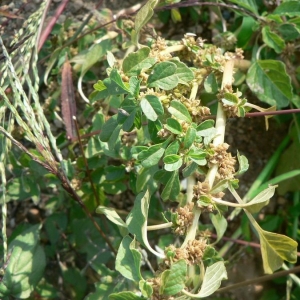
247,135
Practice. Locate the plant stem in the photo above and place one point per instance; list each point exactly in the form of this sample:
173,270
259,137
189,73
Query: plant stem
160,226
174,48
220,120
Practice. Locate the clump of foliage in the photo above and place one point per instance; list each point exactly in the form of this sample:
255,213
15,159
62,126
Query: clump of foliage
150,143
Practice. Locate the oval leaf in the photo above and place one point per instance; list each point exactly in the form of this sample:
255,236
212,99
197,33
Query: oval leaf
270,82
163,76
178,110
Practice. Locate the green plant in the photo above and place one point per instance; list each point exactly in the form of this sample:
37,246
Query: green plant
158,144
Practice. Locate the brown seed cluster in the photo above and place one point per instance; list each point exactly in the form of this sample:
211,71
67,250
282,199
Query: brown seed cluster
157,49
224,159
184,218
192,253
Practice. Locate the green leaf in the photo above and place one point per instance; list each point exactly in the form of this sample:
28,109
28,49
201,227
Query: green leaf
125,296
145,180
189,169
172,162
26,264
230,99
135,62
183,72
173,126
128,260
211,84
270,82
289,31
163,76
214,274
178,110
247,4
151,107
108,128
172,148
288,8
220,225
134,86
173,280
198,156
243,164
272,39
152,155
189,138
142,18
145,288
172,188
137,220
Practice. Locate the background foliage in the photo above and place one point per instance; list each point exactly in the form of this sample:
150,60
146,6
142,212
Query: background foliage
90,188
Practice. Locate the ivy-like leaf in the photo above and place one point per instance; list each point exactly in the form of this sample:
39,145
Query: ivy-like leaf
178,110
135,62
270,82
163,76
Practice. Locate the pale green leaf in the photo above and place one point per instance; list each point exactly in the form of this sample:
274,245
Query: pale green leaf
128,260
163,76
142,18
220,225
214,274
270,82
261,200
276,248
137,220
243,164
178,110
112,215
135,62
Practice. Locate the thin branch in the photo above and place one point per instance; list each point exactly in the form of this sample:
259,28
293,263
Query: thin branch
259,279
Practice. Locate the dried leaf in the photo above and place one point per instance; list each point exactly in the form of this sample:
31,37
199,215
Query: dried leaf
68,104
7,14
